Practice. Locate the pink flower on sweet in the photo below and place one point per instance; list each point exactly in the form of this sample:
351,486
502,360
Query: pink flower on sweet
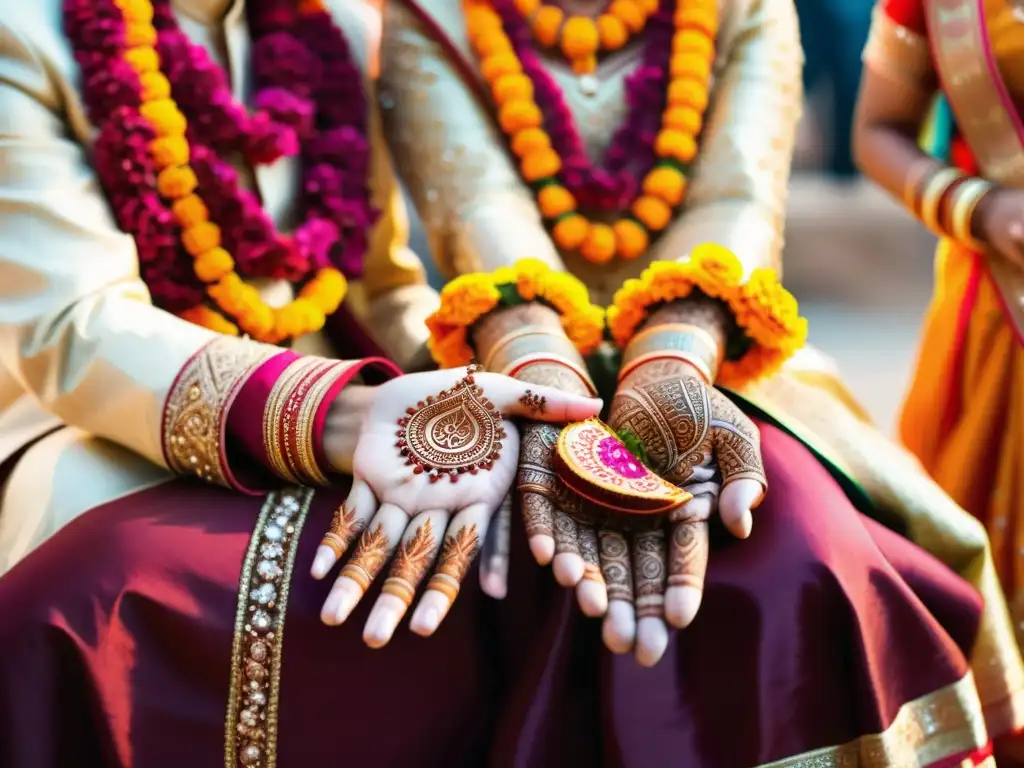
616,457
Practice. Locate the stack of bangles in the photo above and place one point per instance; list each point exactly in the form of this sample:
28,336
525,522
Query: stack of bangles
945,200
533,345
673,341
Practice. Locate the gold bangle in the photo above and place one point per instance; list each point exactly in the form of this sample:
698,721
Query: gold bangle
525,340
273,415
517,366
965,203
682,341
918,173
931,197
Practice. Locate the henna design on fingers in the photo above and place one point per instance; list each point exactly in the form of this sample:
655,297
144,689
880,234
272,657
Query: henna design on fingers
688,556
371,553
649,573
737,441
457,431
410,565
535,404
538,515
566,538
345,526
536,459
615,566
587,538
456,557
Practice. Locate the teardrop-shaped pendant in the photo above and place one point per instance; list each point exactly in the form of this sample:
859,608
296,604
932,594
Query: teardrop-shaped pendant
457,431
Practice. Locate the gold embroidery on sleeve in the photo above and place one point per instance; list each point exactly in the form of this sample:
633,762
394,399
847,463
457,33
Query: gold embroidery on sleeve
197,406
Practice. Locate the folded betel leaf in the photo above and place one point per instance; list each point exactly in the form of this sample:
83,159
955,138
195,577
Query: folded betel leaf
595,463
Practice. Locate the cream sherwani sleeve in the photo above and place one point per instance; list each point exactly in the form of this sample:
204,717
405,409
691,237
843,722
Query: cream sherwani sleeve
77,328
738,186
477,211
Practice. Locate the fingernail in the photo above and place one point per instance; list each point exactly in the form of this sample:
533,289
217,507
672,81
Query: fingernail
681,605
543,548
568,569
380,626
322,563
651,641
426,622
346,602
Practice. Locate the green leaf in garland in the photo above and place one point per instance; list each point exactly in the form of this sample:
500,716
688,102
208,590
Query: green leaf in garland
635,446
509,295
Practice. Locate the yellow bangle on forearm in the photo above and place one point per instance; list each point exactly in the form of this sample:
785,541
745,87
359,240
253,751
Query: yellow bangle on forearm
965,202
931,198
525,341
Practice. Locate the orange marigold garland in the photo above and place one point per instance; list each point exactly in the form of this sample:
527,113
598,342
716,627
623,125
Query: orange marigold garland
766,312
662,189
468,298
582,38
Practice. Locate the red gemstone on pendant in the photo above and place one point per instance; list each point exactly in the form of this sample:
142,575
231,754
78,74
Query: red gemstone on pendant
434,478
417,470
454,478
411,411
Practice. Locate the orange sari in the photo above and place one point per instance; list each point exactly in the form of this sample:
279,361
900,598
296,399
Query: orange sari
964,414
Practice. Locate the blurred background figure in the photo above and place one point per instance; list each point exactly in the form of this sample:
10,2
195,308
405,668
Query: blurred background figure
859,264
833,34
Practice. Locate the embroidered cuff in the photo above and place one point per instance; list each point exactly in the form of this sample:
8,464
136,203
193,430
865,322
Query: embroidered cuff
195,418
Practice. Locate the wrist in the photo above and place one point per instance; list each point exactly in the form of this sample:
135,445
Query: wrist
653,371
345,416
495,327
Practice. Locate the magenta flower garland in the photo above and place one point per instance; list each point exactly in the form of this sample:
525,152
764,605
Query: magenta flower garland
309,102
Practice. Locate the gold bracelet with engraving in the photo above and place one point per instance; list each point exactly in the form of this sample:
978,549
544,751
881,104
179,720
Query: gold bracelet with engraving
309,404
966,198
938,184
296,441
679,341
277,418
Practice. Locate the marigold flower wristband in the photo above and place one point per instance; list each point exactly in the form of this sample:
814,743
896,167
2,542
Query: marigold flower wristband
766,313
468,298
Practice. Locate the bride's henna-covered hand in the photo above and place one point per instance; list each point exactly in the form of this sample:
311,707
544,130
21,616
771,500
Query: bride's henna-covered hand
697,438
557,531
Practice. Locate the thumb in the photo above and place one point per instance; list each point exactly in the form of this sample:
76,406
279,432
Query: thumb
537,402
735,502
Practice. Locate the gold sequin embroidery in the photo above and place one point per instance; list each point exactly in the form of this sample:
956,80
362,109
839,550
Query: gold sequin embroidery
197,406
936,726
251,725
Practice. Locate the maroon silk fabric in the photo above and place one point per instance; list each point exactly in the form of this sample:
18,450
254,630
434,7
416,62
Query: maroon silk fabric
117,634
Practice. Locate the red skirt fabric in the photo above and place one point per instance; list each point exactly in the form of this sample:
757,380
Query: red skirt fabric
117,648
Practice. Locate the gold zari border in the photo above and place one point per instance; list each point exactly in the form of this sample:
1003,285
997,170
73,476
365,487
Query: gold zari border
934,727
198,404
250,726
